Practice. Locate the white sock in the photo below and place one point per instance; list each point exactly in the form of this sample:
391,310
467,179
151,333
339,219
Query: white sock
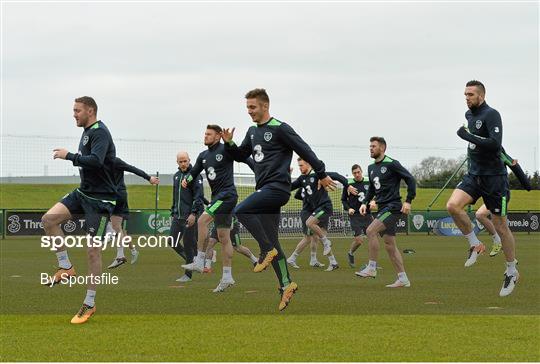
332,260
63,259
227,273
200,258
351,253
473,240
120,252
372,264
496,238
109,229
402,276
253,258
313,256
133,250
208,263
511,267
325,240
90,297
294,255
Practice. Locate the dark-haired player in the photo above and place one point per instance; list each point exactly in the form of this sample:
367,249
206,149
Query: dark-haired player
351,204
218,164
317,208
486,178
270,142
385,175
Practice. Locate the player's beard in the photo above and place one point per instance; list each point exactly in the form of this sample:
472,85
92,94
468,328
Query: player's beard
81,122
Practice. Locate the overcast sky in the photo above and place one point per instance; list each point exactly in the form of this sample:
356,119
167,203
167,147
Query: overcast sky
338,73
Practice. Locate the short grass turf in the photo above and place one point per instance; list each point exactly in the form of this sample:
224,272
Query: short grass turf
23,196
449,314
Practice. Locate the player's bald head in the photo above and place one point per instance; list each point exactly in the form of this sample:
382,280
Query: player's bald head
183,155
182,159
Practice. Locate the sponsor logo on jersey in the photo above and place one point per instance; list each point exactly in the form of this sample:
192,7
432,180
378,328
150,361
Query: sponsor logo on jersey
251,136
383,169
472,146
496,129
204,161
219,157
267,136
85,140
478,124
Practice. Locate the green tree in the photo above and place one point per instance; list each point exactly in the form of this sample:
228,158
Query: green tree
433,172
535,181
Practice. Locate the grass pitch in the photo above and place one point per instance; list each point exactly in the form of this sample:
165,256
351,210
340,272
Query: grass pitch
21,196
449,314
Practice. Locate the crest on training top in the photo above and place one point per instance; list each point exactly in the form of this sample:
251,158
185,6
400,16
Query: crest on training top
85,140
478,124
267,136
312,180
383,169
219,157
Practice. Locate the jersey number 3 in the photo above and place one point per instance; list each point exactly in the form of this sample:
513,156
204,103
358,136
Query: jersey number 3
307,190
377,183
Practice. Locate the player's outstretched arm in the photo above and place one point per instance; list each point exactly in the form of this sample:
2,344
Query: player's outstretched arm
250,163
345,200
194,172
297,183
301,148
121,165
239,152
100,142
338,177
516,169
